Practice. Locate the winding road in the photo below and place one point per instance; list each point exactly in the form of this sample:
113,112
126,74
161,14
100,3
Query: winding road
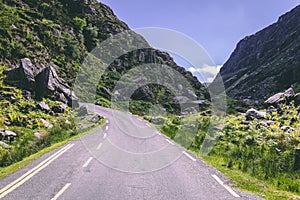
126,159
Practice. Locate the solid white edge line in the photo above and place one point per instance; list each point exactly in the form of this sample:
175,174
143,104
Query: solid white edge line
105,135
172,143
61,191
140,119
18,182
225,186
99,146
87,162
189,156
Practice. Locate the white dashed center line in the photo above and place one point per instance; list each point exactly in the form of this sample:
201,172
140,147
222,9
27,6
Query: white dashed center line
61,191
158,132
172,143
99,146
189,156
87,162
106,128
225,186
105,135
148,125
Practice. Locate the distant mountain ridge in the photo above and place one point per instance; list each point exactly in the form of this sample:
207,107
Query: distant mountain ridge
266,62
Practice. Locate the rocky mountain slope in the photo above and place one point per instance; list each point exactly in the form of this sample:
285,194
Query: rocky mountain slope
42,47
60,33
266,62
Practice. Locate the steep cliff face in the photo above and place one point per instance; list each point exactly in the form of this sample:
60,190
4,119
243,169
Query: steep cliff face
266,62
60,33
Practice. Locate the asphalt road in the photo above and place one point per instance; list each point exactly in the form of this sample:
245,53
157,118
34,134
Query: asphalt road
127,158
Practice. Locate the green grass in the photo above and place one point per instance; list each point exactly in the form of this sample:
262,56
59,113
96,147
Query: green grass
247,183
5,171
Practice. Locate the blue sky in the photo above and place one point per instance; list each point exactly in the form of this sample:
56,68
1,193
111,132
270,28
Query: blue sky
215,24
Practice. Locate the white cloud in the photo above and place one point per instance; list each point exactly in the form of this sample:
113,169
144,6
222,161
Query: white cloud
205,73
210,80
212,70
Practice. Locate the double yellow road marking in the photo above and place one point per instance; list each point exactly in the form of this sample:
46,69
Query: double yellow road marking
25,177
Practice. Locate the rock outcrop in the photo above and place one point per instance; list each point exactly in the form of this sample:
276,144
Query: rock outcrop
43,84
281,97
23,76
50,85
287,96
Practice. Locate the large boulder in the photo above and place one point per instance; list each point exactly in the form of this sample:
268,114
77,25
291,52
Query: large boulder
252,113
50,85
281,97
23,76
276,98
7,135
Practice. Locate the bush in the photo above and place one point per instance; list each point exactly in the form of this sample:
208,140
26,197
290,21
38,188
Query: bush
79,23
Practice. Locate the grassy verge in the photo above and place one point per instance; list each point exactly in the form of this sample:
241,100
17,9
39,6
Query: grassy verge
5,171
247,183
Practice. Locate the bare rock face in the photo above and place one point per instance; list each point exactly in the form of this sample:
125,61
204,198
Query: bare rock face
266,62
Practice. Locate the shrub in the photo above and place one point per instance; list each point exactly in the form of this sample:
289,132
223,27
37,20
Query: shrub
79,23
